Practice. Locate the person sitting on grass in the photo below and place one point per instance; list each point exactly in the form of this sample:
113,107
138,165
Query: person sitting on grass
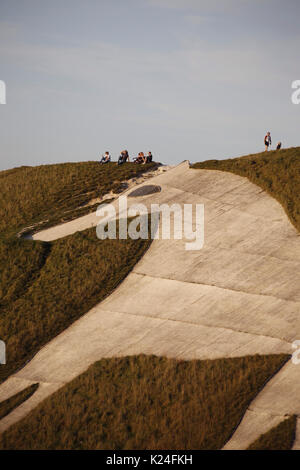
124,157
121,158
148,158
105,158
278,146
140,158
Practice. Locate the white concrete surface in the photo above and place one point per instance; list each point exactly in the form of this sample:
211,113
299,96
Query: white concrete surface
278,399
239,295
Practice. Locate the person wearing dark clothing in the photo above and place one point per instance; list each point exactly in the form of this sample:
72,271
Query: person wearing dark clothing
268,141
148,158
105,158
124,157
278,146
140,158
121,159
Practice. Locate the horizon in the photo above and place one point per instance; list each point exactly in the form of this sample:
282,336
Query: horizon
188,80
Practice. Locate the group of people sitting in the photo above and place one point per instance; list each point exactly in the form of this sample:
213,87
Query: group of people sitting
141,158
124,157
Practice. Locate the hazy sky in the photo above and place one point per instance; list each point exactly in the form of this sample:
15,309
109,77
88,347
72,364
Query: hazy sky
187,79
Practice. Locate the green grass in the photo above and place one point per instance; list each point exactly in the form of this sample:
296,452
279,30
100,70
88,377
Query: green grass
46,286
146,402
277,172
13,402
281,437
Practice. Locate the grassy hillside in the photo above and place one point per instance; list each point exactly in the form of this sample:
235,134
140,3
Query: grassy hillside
70,276
138,402
277,172
46,193
46,286
281,437
146,402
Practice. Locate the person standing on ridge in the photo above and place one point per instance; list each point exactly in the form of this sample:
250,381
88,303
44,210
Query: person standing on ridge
268,141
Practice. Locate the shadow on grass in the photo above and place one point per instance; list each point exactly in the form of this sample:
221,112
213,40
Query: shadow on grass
7,406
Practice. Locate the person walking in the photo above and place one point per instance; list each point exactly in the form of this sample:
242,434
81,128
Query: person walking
268,141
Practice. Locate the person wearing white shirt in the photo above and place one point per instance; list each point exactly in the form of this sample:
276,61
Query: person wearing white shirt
268,141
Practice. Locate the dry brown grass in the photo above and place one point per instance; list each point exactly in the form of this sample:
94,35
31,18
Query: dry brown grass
281,437
146,402
62,281
46,286
120,403
45,193
277,172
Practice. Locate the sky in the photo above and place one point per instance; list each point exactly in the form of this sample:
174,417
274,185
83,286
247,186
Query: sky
186,79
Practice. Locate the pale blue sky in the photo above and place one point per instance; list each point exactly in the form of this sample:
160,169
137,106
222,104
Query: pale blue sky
187,79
